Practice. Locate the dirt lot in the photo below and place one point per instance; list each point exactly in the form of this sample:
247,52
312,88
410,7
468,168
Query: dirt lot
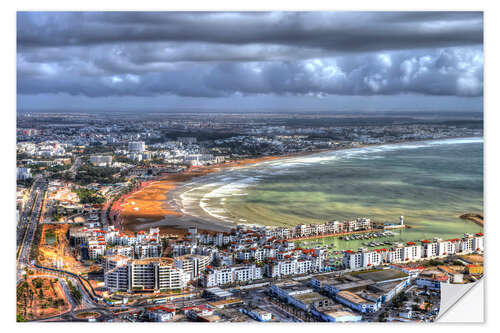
54,249
40,297
475,258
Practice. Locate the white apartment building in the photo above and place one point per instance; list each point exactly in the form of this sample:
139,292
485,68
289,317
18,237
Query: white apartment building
136,146
96,247
126,251
147,251
279,268
180,249
224,258
352,260
439,248
222,239
436,248
403,253
221,276
472,243
412,252
192,264
154,274
116,273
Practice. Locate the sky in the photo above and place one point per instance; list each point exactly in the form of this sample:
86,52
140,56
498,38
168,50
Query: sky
240,61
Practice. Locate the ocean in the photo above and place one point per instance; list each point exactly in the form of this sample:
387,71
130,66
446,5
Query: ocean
430,183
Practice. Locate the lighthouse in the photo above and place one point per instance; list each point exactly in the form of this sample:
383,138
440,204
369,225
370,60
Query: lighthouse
401,220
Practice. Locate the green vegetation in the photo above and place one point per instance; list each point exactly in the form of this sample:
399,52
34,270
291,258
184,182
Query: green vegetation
56,216
37,283
365,271
26,183
433,262
58,168
124,159
164,242
77,295
20,318
399,300
103,175
97,148
36,243
382,317
89,196
50,237
24,296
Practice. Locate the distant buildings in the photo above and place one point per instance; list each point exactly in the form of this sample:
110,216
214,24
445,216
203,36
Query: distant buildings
187,140
136,147
101,160
24,173
411,251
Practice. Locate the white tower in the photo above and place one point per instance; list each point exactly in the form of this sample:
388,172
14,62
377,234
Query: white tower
401,222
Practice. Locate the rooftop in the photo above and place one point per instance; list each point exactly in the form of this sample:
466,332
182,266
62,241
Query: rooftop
354,285
218,292
339,314
310,297
353,298
380,275
293,289
146,261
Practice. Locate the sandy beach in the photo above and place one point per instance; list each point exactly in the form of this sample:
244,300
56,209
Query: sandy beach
148,206
155,204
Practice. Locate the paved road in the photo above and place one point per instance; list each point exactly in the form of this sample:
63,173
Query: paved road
32,222
24,218
23,260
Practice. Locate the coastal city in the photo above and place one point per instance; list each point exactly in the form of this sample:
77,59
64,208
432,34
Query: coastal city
204,166
88,248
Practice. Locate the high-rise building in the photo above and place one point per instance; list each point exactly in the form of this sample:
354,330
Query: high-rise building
192,264
152,274
136,146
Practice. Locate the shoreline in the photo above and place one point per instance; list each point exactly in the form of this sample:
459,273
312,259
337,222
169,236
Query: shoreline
149,206
153,205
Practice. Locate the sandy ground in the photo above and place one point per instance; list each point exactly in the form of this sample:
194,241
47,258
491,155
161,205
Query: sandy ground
40,306
148,207
49,254
475,258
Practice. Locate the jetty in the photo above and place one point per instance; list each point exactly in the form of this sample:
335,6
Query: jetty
477,218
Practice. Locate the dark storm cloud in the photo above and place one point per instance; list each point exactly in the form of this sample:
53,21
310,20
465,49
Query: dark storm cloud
337,31
222,54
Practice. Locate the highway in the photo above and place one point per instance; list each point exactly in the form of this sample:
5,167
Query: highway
31,221
26,213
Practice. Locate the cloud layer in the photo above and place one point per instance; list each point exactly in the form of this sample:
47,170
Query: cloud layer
234,54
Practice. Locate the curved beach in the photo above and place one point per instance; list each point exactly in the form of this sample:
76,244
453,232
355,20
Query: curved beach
302,189
155,205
